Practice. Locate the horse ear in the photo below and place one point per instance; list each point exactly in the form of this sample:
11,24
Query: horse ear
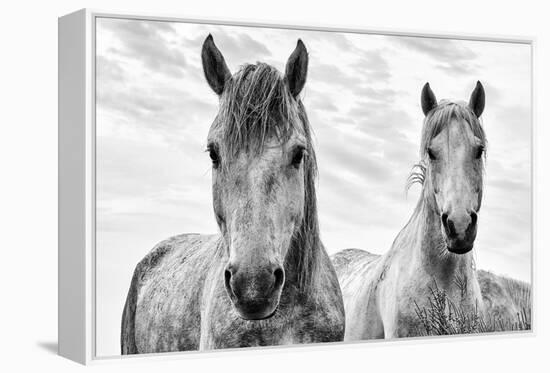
427,99
477,99
214,66
296,69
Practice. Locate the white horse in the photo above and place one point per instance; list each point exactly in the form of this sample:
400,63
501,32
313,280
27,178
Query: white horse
266,278
506,301
433,252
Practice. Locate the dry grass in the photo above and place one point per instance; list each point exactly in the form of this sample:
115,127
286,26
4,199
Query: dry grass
443,317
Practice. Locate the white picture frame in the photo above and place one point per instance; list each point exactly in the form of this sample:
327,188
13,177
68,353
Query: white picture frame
77,164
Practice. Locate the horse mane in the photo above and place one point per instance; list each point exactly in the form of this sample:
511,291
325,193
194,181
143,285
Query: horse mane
307,245
434,123
257,105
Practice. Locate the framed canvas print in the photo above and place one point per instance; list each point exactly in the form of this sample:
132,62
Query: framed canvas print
228,185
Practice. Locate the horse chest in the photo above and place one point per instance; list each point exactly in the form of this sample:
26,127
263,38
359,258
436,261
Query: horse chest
243,333
423,303
288,326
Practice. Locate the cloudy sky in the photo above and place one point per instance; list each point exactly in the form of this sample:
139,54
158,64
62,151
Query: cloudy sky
154,110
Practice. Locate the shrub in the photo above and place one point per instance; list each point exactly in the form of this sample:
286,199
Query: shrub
443,317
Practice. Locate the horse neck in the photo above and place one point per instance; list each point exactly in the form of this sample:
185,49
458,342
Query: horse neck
429,250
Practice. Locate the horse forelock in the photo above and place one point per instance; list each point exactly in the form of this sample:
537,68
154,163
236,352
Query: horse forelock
438,119
255,107
435,122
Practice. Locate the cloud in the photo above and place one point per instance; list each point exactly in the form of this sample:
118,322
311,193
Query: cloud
369,68
236,47
512,119
140,180
331,74
162,108
108,70
383,120
510,185
354,158
169,109
146,41
492,93
376,94
331,38
372,66
445,49
450,55
321,102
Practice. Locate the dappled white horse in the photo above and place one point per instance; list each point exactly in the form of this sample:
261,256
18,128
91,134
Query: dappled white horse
382,294
266,278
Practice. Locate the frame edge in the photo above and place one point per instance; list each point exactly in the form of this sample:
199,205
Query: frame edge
73,227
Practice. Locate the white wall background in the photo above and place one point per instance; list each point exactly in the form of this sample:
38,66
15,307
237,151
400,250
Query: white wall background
28,191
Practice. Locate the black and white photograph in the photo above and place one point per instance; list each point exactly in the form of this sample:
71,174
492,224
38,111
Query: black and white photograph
263,186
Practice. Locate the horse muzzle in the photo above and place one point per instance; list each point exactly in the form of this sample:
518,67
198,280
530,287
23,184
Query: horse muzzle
255,293
460,231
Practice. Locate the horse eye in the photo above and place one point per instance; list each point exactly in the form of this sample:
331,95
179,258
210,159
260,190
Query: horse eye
431,154
214,157
479,152
298,157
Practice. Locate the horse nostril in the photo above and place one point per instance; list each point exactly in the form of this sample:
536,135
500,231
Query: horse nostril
473,216
448,225
444,218
451,229
279,277
227,275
